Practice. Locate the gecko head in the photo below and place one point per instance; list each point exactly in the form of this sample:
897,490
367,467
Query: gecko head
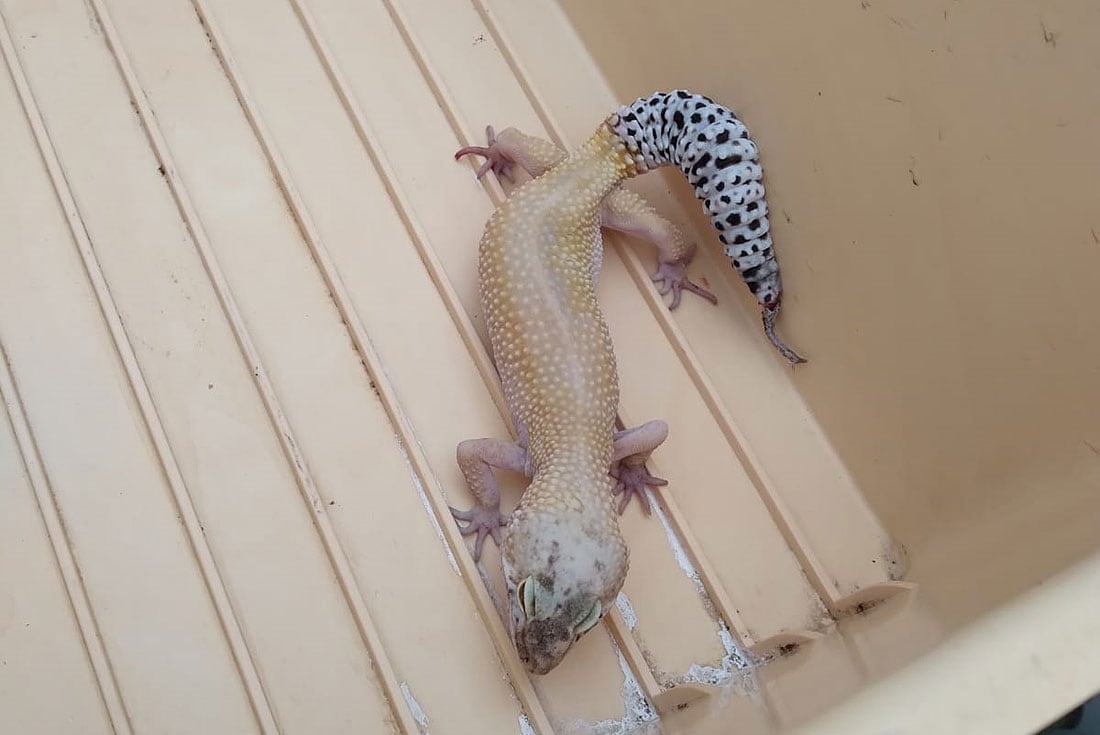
562,578
546,623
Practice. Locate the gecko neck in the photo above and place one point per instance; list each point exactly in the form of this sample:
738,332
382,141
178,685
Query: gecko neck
570,487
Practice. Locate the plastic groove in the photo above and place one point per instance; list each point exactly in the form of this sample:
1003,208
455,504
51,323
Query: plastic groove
59,540
389,181
282,428
215,586
377,374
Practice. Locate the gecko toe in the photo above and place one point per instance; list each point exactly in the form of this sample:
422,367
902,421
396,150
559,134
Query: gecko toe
461,515
700,291
495,160
482,532
676,296
672,276
479,520
631,481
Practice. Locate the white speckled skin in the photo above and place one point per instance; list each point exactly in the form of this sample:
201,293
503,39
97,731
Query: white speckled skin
563,555
623,210
712,148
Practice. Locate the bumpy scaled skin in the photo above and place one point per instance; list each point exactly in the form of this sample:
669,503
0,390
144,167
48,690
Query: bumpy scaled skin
623,210
563,555
712,148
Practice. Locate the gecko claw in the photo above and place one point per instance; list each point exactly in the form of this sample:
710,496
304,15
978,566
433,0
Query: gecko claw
631,480
495,161
673,277
482,521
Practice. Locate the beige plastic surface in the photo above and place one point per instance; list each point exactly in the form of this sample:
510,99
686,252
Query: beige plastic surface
239,342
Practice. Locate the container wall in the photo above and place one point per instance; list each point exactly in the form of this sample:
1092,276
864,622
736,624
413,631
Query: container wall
933,174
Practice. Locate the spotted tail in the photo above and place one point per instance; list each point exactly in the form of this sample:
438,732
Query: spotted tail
712,147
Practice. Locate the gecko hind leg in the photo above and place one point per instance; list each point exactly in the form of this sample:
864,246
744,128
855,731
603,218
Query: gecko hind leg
476,459
632,450
495,159
627,212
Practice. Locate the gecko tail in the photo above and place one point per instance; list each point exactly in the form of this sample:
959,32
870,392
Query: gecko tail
768,317
712,148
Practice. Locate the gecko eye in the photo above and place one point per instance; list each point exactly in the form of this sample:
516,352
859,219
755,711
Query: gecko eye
587,621
525,596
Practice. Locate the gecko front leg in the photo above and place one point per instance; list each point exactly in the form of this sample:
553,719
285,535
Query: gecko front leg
476,459
623,210
632,450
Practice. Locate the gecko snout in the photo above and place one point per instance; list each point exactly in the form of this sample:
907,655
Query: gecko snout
548,625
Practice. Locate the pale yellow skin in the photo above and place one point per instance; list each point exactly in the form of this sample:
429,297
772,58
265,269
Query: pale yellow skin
563,555
622,210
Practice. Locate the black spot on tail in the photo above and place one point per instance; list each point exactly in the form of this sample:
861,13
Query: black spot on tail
703,161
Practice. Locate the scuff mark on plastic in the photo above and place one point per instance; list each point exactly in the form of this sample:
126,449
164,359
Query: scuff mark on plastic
417,711
427,506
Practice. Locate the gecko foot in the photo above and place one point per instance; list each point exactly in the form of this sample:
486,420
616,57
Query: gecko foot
496,161
673,277
631,480
482,521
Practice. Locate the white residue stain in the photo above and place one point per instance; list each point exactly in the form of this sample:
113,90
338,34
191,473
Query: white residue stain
711,675
428,506
525,725
638,714
736,659
417,711
638,709
677,549
626,610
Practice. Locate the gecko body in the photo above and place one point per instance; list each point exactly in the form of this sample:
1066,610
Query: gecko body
562,552
563,556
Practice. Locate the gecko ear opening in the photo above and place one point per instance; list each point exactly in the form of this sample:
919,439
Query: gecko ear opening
589,619
525,595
